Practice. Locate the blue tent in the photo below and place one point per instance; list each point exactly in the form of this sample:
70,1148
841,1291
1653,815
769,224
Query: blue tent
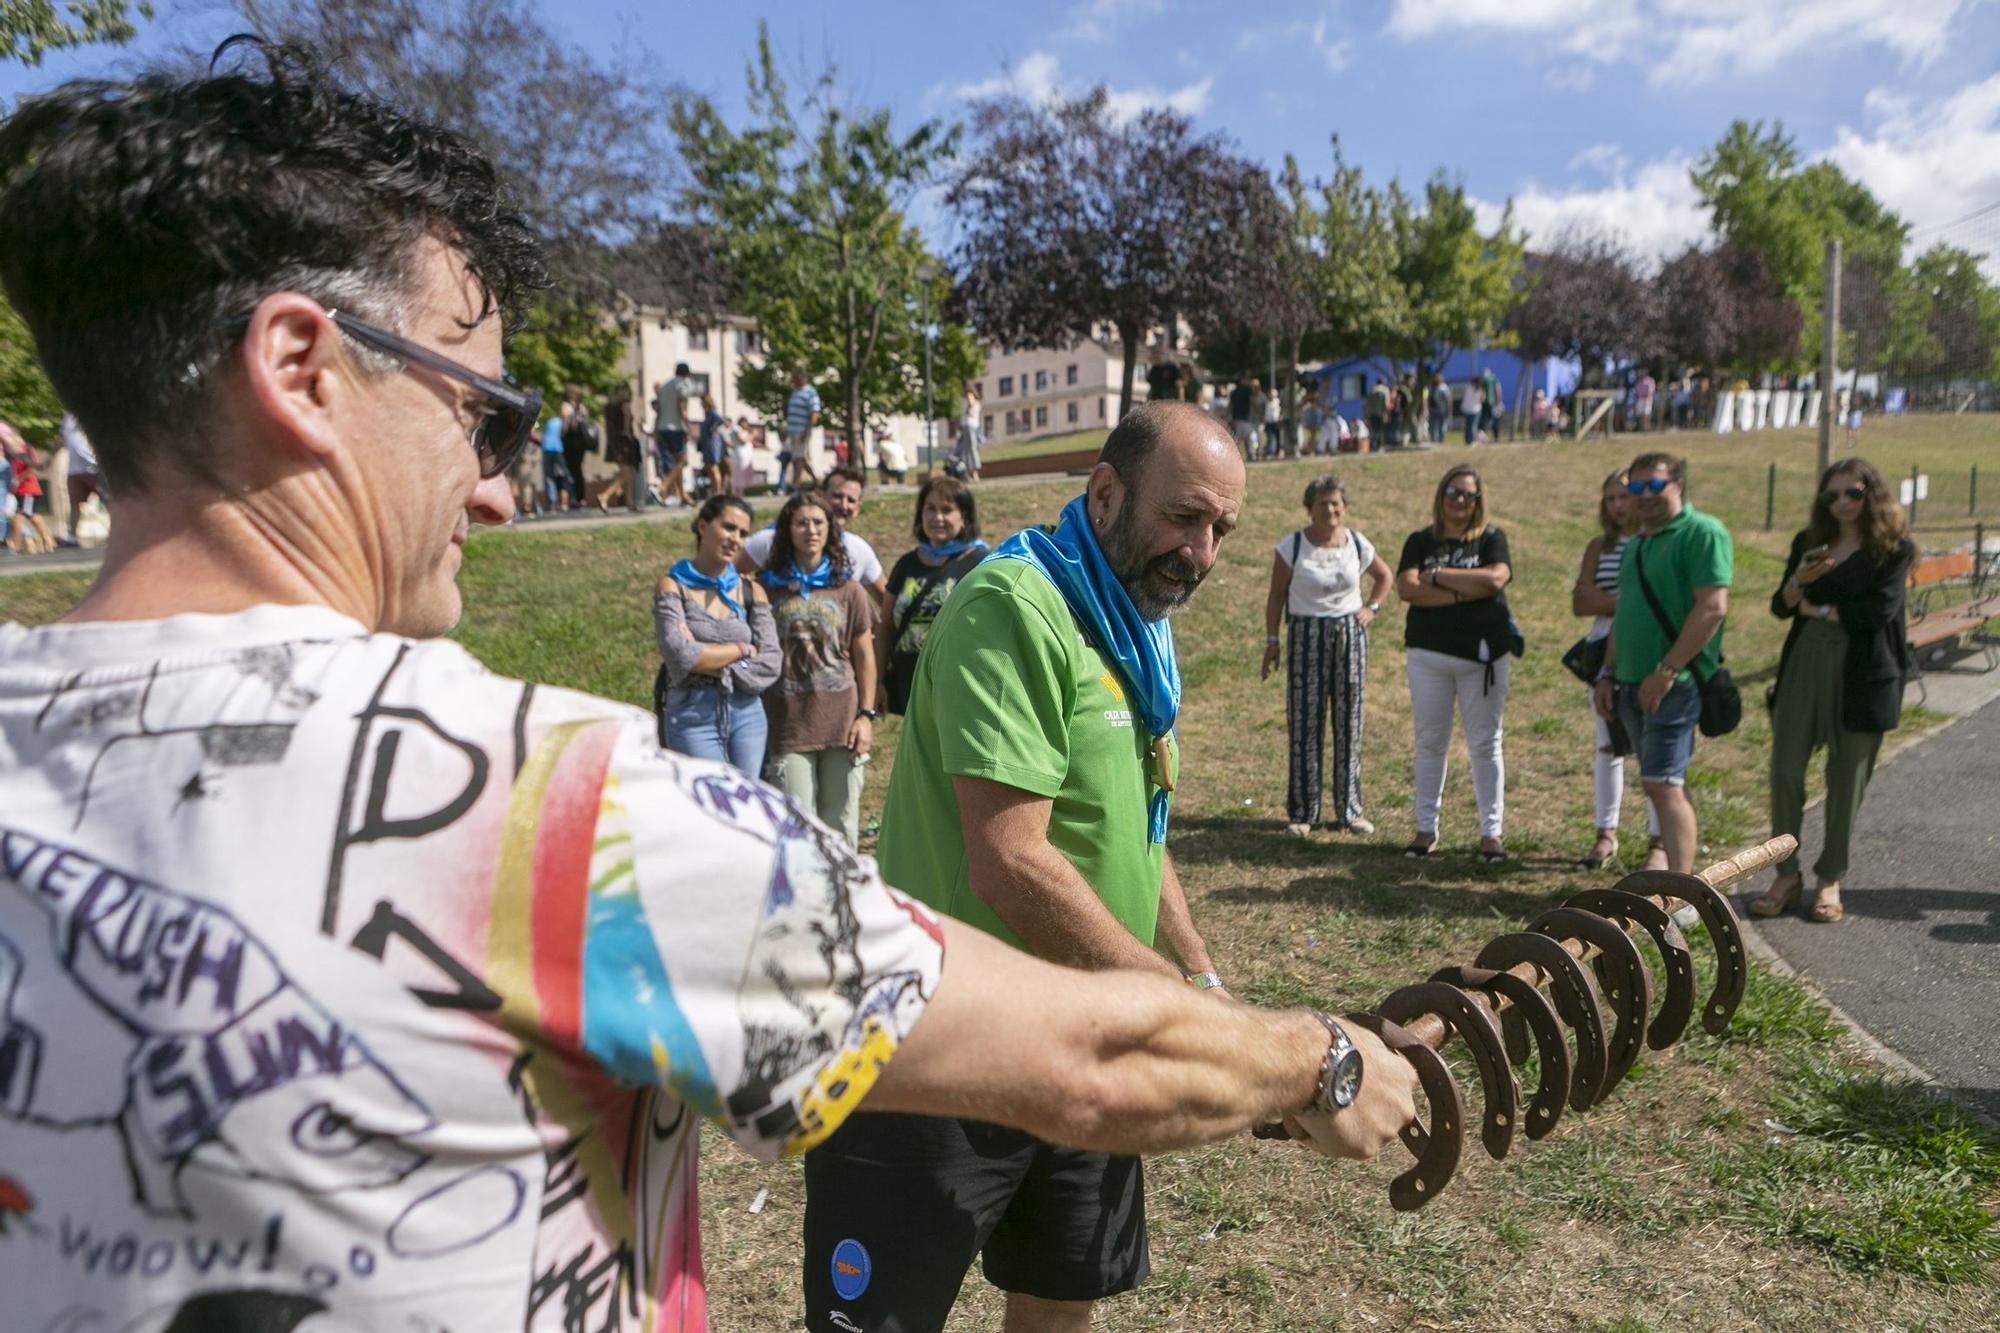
1351,379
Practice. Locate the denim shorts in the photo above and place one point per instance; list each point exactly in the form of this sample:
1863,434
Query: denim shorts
1664,738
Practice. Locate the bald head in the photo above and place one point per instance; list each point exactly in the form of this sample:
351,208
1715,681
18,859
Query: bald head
1182,433
1160,526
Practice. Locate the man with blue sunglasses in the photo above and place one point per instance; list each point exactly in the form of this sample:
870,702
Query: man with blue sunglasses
1673,595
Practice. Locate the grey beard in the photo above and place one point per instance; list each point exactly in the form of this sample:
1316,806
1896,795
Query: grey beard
1153,599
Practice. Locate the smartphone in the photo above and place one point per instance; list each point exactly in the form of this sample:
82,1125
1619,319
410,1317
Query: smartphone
1816,554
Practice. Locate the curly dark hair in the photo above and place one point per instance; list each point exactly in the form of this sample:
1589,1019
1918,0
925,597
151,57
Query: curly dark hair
1884,526
141,217
782,555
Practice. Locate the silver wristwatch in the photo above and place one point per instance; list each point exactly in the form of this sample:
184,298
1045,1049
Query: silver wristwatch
1339,1072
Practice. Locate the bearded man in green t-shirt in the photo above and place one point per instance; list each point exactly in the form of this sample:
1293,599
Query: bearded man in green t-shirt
1030,798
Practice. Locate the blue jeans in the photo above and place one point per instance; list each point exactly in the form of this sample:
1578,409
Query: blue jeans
1437,427
1663,738
708,723
555,476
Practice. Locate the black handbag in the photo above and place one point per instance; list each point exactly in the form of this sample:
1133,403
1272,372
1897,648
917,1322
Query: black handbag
1585,660
1721,701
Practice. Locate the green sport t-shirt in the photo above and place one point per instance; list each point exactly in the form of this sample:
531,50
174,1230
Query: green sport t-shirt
1693,551
1009,690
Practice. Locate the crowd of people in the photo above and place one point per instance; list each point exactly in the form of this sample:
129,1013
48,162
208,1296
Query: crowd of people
320,938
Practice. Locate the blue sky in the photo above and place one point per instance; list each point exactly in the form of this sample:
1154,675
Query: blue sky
1583,111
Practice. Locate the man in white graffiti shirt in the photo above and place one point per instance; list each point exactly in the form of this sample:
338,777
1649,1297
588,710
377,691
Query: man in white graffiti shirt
1030,800
341,981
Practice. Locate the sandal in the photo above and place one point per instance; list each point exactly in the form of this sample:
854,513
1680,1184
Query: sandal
1823,911
1420,848
1604,849
1656,853
1495,855
1776,900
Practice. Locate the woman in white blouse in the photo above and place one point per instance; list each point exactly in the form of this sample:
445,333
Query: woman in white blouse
1316,576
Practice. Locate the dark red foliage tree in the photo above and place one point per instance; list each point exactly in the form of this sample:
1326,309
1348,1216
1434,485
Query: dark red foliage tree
1072,219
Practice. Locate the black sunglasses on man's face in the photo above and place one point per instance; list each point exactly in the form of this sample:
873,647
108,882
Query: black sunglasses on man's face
508,414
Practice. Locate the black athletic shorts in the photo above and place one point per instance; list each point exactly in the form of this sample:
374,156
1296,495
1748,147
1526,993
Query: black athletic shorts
897,1206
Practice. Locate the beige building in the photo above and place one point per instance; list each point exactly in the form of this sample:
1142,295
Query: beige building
1040,391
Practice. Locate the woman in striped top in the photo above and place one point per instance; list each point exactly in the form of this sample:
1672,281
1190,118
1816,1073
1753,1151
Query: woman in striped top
1596,596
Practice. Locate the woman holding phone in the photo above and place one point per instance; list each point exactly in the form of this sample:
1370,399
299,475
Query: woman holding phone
1840,677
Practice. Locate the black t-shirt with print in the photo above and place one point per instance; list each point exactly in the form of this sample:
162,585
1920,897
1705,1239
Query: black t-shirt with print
1164,380
1458,630
917,592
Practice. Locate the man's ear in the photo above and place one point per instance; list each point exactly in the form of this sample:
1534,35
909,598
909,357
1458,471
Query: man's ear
300,386
1104,495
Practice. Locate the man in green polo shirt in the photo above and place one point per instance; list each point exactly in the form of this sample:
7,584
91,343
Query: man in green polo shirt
1030,799
1652,670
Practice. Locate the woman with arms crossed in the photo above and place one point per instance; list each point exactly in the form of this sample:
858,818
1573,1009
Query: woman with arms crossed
1458,637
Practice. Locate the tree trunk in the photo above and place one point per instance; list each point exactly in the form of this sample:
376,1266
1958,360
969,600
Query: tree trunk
1129,334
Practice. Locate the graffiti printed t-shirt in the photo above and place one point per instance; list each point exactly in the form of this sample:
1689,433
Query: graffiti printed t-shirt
340,977
1009,690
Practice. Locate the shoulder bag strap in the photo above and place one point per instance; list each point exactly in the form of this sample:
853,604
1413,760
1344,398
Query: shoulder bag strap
1659,612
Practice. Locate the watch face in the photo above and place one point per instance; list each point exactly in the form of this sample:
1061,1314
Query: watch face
1347,1079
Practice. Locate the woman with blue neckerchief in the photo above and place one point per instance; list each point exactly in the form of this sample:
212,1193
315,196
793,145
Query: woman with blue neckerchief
718,646
825,619
948,546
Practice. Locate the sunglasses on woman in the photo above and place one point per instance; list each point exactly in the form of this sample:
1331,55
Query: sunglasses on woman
507,415
1844,493
1650,486
1454,493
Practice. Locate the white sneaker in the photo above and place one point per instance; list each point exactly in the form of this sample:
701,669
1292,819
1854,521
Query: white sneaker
1298,830
1360,826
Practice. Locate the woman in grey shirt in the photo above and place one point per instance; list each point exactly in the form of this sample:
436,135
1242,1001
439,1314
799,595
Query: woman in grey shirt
718,645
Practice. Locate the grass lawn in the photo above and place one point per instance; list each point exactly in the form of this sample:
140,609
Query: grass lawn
1766,1179
1051,444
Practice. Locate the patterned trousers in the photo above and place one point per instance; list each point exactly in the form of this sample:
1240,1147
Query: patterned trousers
1326,665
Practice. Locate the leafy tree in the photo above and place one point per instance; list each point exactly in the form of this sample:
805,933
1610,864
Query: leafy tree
1585,298
808,213
27,401
30,29
1721,307
1963,317
561,344
1461,285
578,139
1277,305
1363,304
1072,218
1763,200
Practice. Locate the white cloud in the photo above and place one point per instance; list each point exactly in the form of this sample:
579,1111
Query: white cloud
1039,79
1033,79
1933,162
1604,157
1097,20
1655,210
1695,41
1334,53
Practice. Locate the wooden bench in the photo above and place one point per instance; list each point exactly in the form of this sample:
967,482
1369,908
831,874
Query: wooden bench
1931,626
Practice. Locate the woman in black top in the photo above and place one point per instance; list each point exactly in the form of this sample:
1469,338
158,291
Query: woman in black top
946,528
1840,680
1457,639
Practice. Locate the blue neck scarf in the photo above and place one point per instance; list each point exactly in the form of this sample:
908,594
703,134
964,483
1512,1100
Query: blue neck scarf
724,586
1141,650
820,576
946,550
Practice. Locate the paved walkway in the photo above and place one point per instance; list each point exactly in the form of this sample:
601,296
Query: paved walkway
1916,964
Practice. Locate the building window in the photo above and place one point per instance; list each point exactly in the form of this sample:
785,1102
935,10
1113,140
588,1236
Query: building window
986,423
1041,380
1352,385
697,340
1041,416
1072,407
1100,409
700,384
747,342
1007,391
1072,375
